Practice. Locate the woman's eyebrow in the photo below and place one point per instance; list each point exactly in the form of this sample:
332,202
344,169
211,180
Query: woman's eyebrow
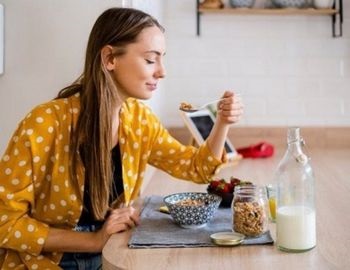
155,52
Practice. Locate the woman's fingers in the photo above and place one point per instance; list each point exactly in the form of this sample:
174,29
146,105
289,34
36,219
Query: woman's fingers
135,216
232,99
123,215
228,93
121,219
230,108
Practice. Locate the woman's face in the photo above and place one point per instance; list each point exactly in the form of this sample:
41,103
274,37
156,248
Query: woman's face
138,71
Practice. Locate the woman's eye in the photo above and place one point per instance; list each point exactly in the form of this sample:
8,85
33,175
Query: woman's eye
149,61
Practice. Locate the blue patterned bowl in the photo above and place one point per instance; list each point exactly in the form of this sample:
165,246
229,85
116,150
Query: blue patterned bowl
290,3
192,209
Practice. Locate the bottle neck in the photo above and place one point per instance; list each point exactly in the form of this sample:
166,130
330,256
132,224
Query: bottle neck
293,135
295,144
295,147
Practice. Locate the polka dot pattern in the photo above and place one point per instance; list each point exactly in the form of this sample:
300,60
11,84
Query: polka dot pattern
161,150
27,163
37,160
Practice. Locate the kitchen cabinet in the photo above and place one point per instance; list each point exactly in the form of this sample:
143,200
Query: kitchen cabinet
336,13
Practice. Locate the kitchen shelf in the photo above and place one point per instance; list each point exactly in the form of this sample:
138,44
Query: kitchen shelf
336,13
270,11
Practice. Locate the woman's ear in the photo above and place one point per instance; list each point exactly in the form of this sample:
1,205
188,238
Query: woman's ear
108,59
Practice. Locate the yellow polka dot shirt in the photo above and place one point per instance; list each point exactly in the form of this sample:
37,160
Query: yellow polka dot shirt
36,191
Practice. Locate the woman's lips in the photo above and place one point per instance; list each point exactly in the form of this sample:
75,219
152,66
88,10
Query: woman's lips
151,86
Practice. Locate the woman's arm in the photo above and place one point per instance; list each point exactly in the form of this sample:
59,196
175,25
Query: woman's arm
186,161
230,110
60,240
119,220
182,161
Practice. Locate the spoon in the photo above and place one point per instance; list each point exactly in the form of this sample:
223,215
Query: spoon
187,107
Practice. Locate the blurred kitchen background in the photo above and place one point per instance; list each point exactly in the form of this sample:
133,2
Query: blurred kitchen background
289,69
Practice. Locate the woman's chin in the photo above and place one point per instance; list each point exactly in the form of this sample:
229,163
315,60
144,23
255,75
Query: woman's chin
145,96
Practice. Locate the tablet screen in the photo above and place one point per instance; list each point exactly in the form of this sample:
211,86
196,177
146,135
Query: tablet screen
204,124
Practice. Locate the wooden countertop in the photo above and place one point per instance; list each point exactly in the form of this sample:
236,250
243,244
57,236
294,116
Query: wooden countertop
332,170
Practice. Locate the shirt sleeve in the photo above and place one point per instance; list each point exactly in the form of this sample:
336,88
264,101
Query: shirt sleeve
185,162
18,230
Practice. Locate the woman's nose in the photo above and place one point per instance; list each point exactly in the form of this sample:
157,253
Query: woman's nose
160,73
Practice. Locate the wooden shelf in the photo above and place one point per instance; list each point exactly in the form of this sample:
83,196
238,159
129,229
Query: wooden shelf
270,11
336,13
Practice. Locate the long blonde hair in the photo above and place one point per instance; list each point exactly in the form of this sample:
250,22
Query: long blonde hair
92,137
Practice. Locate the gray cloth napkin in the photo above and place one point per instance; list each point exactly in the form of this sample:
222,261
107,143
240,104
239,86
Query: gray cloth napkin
158,230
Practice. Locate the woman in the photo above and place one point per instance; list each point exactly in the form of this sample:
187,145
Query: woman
72,157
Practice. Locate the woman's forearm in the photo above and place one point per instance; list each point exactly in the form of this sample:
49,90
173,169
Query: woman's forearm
60,240
216,139
119,220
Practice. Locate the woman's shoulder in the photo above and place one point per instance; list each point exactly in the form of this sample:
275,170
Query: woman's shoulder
53,110
58,106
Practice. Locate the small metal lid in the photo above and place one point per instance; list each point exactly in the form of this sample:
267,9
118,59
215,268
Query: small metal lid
227,238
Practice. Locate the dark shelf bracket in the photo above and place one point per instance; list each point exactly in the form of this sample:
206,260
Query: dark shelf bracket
198,17
337,19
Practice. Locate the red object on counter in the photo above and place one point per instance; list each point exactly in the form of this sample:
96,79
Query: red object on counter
260,150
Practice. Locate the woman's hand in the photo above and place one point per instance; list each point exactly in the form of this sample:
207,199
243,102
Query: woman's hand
119,220
229,109
61,240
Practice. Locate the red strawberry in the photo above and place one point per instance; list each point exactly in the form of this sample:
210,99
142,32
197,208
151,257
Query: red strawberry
213,184
235,181
224,187
231,188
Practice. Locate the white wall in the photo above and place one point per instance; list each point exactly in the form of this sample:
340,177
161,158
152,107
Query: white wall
45,43
1,39
155,8
289,68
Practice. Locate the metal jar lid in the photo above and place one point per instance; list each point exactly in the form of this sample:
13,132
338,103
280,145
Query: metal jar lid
227,238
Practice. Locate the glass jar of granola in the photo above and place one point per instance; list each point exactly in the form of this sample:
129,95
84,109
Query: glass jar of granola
250,210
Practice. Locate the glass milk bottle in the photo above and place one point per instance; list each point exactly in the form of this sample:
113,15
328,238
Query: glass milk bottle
296,218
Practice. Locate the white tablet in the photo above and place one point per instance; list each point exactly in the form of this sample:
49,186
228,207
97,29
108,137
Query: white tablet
200,124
